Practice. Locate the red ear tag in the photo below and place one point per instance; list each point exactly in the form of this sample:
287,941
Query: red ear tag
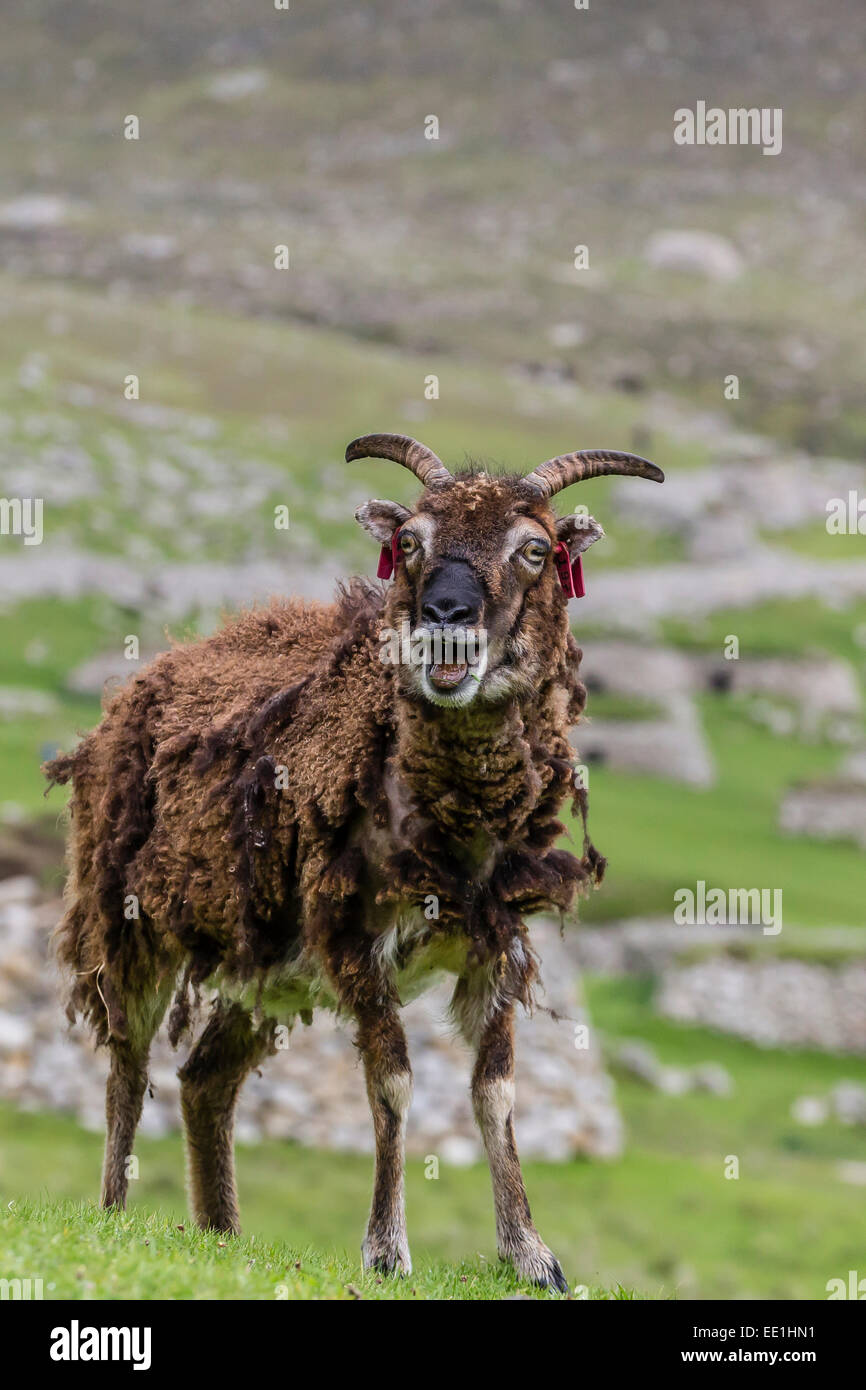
389,557
570,572
577,577
562,560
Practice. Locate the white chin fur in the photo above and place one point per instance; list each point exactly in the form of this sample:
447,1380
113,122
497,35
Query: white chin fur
465,692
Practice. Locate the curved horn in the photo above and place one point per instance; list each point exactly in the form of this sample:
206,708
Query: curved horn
401,449
551,477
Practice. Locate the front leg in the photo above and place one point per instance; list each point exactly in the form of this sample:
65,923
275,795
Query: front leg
382,1043
364,992
493,1102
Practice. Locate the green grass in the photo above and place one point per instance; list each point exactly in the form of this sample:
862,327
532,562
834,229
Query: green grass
26,741
664,1220
43,639
82,1252
662,835
818,543
800,627
767,1081
814,949
607,705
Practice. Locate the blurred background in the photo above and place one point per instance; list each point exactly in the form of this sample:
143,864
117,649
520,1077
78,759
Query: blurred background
432,288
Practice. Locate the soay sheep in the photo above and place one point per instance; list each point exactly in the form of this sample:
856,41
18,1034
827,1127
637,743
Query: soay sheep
283,816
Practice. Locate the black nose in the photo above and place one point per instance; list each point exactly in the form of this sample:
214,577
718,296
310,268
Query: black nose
453,596
446,610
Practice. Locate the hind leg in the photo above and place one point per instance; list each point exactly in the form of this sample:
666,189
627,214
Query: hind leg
211,1079
124,1096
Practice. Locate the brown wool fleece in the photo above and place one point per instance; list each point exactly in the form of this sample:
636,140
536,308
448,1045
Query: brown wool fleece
174,797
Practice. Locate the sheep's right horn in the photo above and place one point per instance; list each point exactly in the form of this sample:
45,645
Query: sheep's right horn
401,449
551,477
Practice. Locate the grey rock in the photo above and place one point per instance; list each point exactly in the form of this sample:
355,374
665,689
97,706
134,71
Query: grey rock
777,1002
694,252
848,1100
638,1059
712,1077
829,810
15,1032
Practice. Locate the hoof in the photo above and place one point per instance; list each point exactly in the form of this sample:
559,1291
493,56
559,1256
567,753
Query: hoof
553,1277
534,1262
378,1257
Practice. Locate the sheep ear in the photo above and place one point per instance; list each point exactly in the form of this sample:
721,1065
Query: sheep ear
579,531
381,519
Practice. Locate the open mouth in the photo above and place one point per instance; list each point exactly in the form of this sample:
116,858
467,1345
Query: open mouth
454,665
447,676
454,682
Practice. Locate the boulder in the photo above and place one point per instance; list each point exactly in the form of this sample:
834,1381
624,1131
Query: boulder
695,253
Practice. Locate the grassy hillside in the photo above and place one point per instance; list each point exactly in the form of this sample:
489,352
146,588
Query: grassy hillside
661,838
664,1220
160,485
306,128
86,1254
412,259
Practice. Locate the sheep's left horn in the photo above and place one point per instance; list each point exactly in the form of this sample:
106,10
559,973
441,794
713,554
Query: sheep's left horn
401,449
554,475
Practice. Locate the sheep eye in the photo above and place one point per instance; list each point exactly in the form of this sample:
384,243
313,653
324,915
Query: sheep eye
408,543
535,551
